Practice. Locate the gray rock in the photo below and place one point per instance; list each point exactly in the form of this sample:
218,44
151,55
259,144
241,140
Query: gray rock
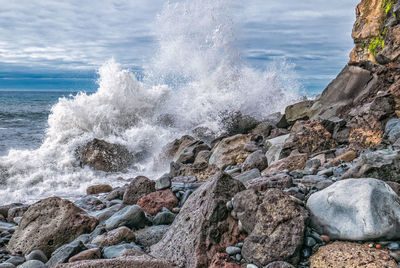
90,203
163,218
7,265
394,246
248,175
298,111
33,264
314,182
255,160
62,254
279,264
105,214
117,193
163,183
251,266
139,187
16,260
310,242
392,130
36,255
356,209
233,250
151,235
381,164
275,147
115,251
5,226
131,216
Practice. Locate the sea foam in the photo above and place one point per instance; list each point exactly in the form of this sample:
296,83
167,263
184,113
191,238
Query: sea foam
195,76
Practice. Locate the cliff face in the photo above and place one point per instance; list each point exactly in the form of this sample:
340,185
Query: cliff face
367,91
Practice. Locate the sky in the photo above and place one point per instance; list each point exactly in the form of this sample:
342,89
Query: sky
59,45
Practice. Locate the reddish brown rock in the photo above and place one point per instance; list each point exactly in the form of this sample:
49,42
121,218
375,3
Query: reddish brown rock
203,227
49,224
308,137
346,254
139,187
90,254
292,162
154,202
98,189
346,157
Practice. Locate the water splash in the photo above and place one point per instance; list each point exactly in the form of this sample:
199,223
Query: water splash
195,76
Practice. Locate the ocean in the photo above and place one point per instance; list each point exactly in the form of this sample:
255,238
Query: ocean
196,74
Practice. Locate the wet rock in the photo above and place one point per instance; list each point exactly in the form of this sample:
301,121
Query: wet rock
140,261
151,235
298,111
275,147
229,151
138,188
204,212
255,160
233,250
90,203
16,260
117,193
115,251
381,164
279,181
17,211
33,264
36,255
154,202
292,162
263,129
308,137
105,214
90,254
346,254
237,123
131,216
114,237
279,226
5,226
163,182
164,217
7,265
98,189
48,224
62,254
356,209
248,175
101,155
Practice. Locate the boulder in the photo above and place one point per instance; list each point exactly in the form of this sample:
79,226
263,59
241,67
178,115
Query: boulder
346,254
154,202
131,216
380,164
203,227
142,261
308,137
150,235
98,189
229,151
255,160
292,162
356,210
101,155
298,111
139,187
275,222
114,237
49,224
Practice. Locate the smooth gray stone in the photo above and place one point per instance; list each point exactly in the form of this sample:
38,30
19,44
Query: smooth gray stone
248,175
36,255
33,264
130,216
63,253
115,251
7,265
151,235
16,260
163,183
233,250
162,218
356,210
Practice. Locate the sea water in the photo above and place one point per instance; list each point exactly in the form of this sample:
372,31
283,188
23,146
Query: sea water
195,76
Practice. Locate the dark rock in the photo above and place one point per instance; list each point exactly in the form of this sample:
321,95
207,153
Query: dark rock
237,123
356,209
36,255
33,264
131,216
90,203
314,182
138,188
17,211
16,260
279,181
49,224
279,264
298,111
62,254
163,182
255,160
164,217
204,213
151,235
117,193
275,223
105,156
105,214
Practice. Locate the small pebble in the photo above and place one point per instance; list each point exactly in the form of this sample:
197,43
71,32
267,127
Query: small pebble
229,205
240,244
233,250
238,257
378,246
371,245
394,246
306,252
310,242
251,266
325,238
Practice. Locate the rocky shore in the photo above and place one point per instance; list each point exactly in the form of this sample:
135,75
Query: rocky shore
315,187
